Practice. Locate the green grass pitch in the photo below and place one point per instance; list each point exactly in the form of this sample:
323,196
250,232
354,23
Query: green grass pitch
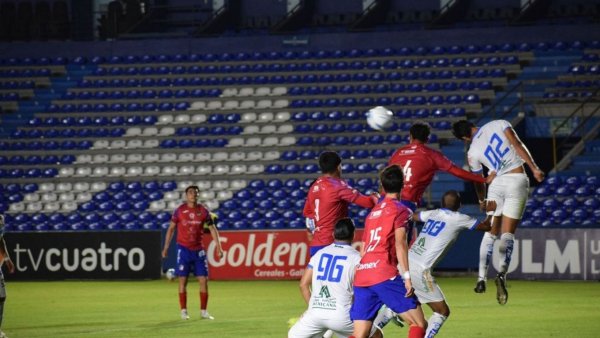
261,309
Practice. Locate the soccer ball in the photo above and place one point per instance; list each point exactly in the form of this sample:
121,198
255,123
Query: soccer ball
379,118
170,274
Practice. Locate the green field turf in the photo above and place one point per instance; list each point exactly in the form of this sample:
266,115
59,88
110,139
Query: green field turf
261,309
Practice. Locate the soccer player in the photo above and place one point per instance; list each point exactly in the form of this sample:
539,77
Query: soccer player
329,274
497,147
442,227
328,199
189,220
385,252
4,258
420,163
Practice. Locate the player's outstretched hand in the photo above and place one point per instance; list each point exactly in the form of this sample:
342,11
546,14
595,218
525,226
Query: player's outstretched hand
410,291
538,174
490,177
490,205
375,197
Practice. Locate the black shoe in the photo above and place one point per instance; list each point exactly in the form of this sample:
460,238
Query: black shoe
501,293
480,287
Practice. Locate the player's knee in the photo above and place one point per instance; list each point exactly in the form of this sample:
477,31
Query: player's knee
2,299
445,312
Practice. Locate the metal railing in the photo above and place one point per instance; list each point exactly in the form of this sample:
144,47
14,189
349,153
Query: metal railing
576,131
492,109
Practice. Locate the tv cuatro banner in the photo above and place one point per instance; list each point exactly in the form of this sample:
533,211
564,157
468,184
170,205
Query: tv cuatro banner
84,255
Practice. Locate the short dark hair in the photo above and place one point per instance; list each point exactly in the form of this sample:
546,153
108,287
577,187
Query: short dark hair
392,179
344,230
462,129
420,131
329,161
451,200
195,187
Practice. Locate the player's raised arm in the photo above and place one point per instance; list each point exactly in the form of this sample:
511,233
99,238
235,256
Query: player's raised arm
524,153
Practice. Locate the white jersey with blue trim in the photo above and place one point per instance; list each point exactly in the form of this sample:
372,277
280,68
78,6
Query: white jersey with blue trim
442,227
490,147
333,275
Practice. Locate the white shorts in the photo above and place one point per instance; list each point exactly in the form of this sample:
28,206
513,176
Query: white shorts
426,288
510,193
314,324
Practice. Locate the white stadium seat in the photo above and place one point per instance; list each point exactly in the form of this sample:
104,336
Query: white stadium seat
66,171
83,171
51,207
119,158
64,186
287,141
83,197
168,157
246,91
256,169
281,103
134,144
278,91
186,170
198,118
100,171
152,143
100,158
224,195
47,186
253,142
133,131
204,169
151,158
117,171
262,91
166,131
235,142
220,185
248,117
101,144
150,131
84,158
134,158
165,119
238,169
117,144
219,156
268,129
68,207
185,157
247,104
152,170
214,105
33,197
98,186
204,185
271,155
197,105
238,184
254,156
202,157
81,186
33,207
251,129
66,197
285,128
265,117
237,156
49,197
182,119
270,141
17,207
283,116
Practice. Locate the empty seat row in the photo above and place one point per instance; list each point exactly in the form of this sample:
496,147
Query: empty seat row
26,72
85,120
231,80
386,101
130,94
234,104
117,107
251,91
68,133
382,88
17,84
137,69
35,159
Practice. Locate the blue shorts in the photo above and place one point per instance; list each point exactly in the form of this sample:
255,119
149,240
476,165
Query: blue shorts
368,300
191,261
315,249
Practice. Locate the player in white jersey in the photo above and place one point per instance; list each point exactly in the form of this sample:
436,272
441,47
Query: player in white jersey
442,227
497,147
330,274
